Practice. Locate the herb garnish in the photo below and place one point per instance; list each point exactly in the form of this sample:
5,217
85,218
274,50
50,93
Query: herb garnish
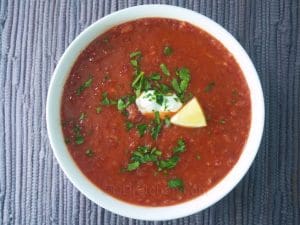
156,126
124,102
209,87
136,54
164,89
133,166
155,76
78,136
141,155
128,125
176,183
142,128
164,69
180,147
168,51
176,87
168,163
106,100
138,82
159,98
85,85
182,84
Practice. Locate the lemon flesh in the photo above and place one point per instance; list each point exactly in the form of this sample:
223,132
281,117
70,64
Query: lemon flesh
190,115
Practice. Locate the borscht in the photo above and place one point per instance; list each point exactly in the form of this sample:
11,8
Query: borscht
155,111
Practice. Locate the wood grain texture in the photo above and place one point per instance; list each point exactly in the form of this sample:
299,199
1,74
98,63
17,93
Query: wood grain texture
33,36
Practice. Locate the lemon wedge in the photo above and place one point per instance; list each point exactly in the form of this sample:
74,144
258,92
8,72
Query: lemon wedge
190,115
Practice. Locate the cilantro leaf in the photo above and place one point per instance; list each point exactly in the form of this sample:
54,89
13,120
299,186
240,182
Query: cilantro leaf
128,125
142,128
180,147
155,76
121,105
176,86
168,51
85,85
164,69
176,183
133,166
79,139
168,163
135,54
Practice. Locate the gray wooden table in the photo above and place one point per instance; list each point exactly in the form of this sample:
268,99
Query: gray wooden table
33,36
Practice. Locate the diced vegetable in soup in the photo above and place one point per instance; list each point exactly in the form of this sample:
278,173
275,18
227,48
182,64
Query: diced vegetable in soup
155,112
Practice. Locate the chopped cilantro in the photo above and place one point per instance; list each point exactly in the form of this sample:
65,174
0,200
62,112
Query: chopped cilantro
85,85
138,82
183,85
155,76
176,183
176,86
155,131
79,139
124,102
105,100
157,118
168,163
121,104
156,126
89,152
134,62
142,128
141,155
185,77
146,84
164,89
180,147
183,73
209,87
159,98
128,125
164,69
135,54
133,166
168,51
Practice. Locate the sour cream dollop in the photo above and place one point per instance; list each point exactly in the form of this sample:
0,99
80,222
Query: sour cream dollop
151,101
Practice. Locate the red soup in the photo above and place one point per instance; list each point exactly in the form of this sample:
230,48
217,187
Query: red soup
143,158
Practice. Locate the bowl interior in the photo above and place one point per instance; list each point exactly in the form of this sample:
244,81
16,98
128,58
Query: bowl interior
142,212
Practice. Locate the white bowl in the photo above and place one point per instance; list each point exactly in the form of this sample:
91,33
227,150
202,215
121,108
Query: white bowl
136,211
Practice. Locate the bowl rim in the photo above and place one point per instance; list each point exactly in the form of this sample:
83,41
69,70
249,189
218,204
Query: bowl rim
95,194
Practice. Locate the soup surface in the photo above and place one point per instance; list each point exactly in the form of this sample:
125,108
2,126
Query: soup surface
143,158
